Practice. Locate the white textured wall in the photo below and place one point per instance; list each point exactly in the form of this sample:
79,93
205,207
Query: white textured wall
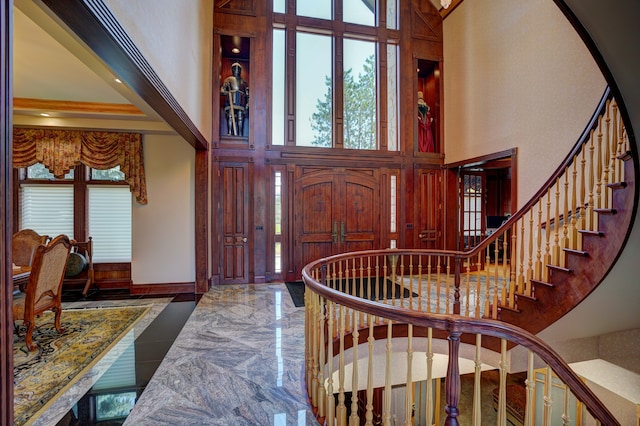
175,37
516,74
163,230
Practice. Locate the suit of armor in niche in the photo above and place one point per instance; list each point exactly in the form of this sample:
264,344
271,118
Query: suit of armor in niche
236,101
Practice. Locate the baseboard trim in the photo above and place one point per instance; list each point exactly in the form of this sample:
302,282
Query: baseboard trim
163,288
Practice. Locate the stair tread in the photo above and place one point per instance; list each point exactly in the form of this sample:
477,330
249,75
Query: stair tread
576,252
542,283
605,211
559,268
587,232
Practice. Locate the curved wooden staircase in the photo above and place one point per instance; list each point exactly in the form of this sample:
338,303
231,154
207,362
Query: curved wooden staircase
584,262
538,266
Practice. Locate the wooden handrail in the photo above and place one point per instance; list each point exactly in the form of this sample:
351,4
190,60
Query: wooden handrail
593,123
513,276
455,324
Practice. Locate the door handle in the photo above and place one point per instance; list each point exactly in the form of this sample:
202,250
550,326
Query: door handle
342,231
334,234
245,239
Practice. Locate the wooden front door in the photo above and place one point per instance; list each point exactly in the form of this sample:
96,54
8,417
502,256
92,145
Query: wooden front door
234,251
335,211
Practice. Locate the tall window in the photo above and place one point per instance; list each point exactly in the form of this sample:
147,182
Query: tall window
47,205
278,88
314,85
338,99
277,202
359,88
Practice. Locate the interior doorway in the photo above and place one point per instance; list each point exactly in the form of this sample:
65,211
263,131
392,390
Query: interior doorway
487,196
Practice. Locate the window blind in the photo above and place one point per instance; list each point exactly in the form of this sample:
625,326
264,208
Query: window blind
109,216
47,209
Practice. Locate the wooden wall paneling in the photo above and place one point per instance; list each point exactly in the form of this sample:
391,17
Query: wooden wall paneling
288,228
429,200
385,207
407,208
236,207
451,208
202,221
260,205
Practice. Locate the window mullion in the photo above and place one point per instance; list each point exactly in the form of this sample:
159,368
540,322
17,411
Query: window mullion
80,203
338,92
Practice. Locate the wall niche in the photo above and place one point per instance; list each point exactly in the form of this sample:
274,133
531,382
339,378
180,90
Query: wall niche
235,78
428,106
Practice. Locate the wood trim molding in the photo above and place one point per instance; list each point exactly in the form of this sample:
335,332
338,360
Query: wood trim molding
98,28
445,12
164,288
75,106
6,206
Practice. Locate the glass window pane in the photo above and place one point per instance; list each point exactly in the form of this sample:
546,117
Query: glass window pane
392,97
359,94
47,209
393,203
278,88
113,174
109,219
314,8
278,203
359,11
314,110
39,171
278,6
277,267
392,14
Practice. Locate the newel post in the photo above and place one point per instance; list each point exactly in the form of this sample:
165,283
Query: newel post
452,381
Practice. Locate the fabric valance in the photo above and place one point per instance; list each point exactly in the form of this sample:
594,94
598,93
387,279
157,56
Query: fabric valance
61,150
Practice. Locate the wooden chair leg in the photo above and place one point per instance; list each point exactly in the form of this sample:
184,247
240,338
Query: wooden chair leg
28,337
85,290
58,315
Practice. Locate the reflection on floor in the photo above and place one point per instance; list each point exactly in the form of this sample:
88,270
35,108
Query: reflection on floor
238,360
107,393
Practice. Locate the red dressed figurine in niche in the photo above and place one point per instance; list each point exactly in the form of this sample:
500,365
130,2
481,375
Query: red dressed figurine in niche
425,135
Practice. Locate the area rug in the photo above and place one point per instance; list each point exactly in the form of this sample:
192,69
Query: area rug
296,291
62,358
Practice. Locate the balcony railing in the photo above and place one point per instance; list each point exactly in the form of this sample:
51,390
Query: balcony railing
358,306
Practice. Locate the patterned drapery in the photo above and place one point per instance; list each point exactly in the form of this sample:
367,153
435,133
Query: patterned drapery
61,150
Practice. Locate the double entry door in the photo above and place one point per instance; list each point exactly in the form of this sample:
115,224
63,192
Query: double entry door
336,210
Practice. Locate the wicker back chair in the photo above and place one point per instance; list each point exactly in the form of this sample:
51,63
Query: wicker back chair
44,288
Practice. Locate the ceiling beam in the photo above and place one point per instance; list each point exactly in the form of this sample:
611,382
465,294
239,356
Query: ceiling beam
93,23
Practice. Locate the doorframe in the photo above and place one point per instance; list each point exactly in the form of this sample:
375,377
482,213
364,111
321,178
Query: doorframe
481,163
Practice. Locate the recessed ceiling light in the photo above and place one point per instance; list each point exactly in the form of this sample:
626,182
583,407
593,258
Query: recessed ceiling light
45,114
235,50
117,80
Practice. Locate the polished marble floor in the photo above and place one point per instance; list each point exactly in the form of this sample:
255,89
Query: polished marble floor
131,362
233,358
238,361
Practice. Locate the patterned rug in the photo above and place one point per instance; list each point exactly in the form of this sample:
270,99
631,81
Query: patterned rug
62,359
